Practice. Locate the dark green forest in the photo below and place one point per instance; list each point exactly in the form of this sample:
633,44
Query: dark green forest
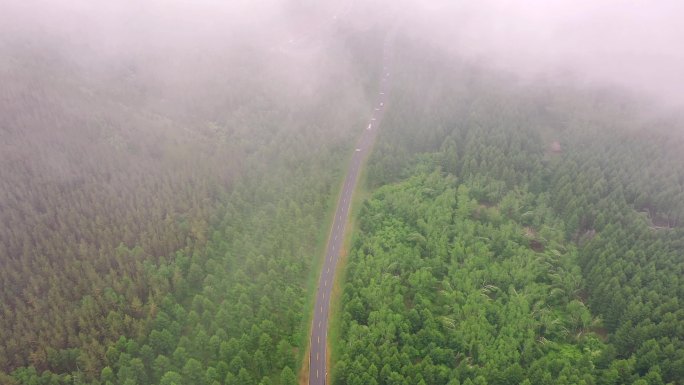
161,234
162,228
516,234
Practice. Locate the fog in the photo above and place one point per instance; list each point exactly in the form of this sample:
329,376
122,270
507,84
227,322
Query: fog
632,44
210,138
635,44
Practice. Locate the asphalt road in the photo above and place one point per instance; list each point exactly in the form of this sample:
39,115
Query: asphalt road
319,329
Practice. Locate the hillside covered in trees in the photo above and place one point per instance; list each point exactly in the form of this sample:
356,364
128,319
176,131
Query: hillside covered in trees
516,234
157,227
165,198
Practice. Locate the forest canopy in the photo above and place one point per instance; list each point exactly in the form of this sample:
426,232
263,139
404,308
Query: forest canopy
166,190
515,236
156,232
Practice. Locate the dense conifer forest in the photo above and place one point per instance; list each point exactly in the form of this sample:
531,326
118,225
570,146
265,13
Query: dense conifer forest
515,235
167,241
164,228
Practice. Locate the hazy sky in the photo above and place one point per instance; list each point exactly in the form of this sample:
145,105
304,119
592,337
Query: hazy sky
637,44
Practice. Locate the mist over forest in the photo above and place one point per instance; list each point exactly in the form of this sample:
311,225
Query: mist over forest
510,174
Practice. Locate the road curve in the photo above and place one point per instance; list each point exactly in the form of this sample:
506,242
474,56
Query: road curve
319,328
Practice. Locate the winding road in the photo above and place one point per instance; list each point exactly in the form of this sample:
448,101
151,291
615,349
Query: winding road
319,328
